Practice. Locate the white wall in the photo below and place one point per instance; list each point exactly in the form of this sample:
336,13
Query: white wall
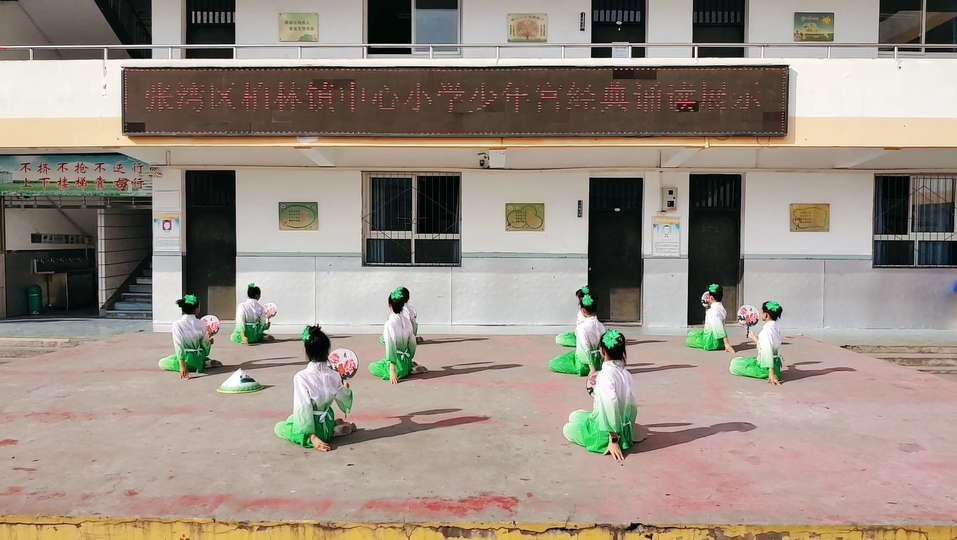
484,194
17,28
669,21
772,21
123,241
318,276
21,223
257,21
766,223
486,21
259,192
168,26
168,267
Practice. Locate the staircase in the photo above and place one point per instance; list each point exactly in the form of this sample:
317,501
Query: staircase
935,359
136,299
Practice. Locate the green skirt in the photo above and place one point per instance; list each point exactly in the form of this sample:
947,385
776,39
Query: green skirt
195,360
749,367
403,367
568,364
325,429
700,339
582,429
254,333
566,340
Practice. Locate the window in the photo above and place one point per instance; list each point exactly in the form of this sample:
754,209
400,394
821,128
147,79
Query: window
914,221
412,219
210,22
421,22
919,22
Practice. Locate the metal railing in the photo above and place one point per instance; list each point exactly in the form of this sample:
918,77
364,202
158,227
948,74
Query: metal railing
454,50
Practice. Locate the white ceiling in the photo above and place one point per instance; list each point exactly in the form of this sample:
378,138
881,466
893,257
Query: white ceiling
71,22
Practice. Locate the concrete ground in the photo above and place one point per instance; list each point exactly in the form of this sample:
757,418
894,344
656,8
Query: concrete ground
98,430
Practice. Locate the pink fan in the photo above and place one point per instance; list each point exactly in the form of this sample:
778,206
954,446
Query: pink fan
345,362
212,324
271,309
590,383
748,315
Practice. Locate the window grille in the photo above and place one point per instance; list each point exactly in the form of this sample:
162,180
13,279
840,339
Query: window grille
914,221
412,219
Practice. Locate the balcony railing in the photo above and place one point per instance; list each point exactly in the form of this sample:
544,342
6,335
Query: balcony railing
454,50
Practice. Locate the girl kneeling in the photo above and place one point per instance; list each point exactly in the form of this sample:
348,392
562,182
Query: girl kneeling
313,424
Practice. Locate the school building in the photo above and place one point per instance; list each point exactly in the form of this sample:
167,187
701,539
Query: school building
493,156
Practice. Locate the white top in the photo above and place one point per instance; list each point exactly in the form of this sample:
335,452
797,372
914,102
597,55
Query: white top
587,341
189,334
320,385
250,312
769,341
714,320
398,336
409,313
615,401
580,318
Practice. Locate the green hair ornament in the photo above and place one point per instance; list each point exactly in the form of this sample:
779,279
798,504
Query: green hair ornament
396,294
713,288
190,300
585,290
588,301
773,306
251,286
306,335
610,339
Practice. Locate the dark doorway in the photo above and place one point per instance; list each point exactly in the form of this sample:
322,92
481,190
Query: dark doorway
714,240
718,21
614,247
210,22
617,21
210,261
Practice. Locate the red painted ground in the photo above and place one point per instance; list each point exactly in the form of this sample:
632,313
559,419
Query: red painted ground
98,430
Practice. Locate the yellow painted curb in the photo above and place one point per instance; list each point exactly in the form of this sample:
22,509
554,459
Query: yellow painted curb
51,528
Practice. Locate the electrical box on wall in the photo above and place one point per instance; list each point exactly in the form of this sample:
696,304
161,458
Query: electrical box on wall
669,199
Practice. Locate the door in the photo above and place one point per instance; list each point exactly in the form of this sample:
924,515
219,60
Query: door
617,21
714,240
718,21
614,247
210,261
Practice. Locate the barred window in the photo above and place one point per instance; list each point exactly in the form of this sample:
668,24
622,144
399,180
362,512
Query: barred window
412,219
914,221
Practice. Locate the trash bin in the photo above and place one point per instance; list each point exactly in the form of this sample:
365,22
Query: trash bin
34,299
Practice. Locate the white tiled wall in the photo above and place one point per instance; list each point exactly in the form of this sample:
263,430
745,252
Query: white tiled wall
123,241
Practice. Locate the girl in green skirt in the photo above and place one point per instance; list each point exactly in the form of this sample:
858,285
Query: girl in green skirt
313,423
714,337
191,342
767,364
586,358
399,344
251,321
610,426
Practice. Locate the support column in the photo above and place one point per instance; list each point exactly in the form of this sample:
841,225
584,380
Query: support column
168,27
168,198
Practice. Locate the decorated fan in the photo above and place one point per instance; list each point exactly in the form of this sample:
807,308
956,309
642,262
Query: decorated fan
590,383
704,298
271,309
212,324
239,383
748,315
345,362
